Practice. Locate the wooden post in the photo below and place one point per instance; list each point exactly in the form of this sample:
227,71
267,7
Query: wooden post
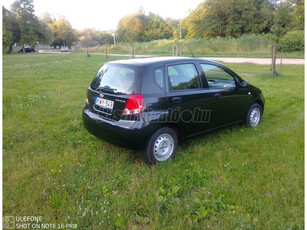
282,51
176,50
273,60
105,51
132,52
274,51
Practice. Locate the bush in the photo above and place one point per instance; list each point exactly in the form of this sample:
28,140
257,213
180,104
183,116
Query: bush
294,40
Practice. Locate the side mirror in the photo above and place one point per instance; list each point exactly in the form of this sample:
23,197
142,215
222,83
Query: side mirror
244,83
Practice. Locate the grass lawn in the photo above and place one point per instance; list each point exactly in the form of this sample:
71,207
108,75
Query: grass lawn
236,178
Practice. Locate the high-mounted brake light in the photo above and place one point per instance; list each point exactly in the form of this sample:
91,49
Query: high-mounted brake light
86,96
134,105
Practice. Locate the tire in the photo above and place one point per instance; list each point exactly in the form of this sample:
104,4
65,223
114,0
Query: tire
254,115
161,146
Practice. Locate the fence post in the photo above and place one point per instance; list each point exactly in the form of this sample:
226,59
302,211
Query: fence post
176,50
105,51
132,51
274,51
273,60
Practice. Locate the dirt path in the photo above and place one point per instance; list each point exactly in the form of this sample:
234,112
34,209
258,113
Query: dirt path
260,61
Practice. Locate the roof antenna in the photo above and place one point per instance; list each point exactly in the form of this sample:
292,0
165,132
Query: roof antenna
190,49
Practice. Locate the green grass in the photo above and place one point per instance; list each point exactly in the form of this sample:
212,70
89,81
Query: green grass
236,178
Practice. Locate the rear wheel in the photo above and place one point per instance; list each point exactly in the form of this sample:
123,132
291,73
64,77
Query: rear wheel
161,146
254,115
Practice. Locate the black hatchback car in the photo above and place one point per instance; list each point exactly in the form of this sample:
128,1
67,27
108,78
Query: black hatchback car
27,50
152,103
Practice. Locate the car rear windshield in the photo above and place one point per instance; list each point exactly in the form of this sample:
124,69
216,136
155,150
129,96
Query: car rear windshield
117,79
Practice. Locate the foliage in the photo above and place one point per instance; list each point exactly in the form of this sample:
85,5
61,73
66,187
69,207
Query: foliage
105,38
27,21
88,38
294,40
7,38
282,20
139,27
91,38
23,26
228,18
298,14
157,28
193,22
131,27
44,33
63,33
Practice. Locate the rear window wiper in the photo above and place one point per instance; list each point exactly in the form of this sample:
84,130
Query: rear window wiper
106,88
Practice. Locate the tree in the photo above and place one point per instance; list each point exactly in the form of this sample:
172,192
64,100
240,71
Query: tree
228,18
193,22
131,27
298,14
21,26
11,32
7,38
44,33
63,33
105,38
283,17
27,21
88,38
157,28
47,18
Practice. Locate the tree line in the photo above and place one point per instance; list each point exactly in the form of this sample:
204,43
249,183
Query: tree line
22,26
217,18
212,18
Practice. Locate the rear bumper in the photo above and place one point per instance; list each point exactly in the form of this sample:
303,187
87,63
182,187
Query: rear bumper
130,134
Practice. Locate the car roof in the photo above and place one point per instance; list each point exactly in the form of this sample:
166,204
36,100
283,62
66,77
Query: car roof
157,60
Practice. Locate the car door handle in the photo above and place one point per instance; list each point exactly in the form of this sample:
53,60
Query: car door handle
218,95
176,99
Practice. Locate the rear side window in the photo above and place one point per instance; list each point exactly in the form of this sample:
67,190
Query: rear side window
115,79
159,78
183,77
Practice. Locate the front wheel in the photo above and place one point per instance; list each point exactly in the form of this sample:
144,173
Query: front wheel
161,146
254,115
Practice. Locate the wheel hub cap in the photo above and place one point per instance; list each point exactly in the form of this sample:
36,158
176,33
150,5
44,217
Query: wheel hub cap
254,117
163,147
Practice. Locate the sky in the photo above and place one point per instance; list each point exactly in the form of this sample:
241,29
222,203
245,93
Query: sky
105,14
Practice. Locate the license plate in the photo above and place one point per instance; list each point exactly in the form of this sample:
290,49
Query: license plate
104,103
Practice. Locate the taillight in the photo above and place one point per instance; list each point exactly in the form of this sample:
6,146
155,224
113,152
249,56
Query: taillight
134,105
86,96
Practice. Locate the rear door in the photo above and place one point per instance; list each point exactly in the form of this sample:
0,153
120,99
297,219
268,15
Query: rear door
188,101
111,87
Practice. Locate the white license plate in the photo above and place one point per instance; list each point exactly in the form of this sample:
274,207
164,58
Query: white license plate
104,103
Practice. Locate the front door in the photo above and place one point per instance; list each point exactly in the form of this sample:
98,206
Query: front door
228,98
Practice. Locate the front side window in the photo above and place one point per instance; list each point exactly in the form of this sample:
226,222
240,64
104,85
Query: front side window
183,77
217,77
